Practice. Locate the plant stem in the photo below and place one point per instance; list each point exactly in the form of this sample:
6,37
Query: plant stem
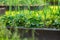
33,34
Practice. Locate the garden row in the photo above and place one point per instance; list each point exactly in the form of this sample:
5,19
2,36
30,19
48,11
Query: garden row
46,18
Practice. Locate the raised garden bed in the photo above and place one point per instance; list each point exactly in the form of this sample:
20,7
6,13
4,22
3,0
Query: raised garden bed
39,33
41,28
41,25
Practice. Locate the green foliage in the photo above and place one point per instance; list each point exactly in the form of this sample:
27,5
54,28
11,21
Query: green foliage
22,2
32,19
26,2
6,34
48,17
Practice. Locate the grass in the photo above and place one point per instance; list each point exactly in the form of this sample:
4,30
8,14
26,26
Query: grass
23,2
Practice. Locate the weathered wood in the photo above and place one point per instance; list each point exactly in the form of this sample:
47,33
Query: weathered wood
39,34
2,10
